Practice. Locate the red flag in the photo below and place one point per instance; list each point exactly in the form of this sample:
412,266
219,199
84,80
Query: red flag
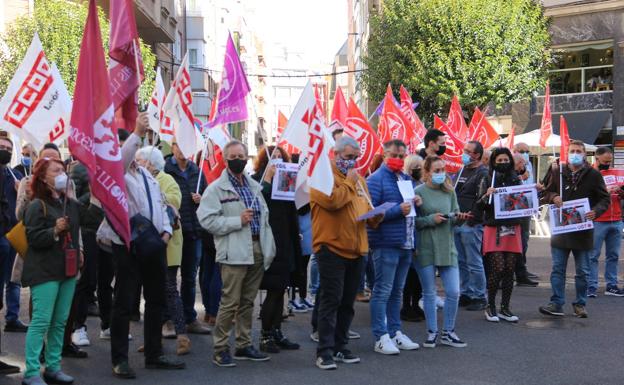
546,127
214,164
456,122
416,125
125,65
282,121
339,112
93,138
454,146
481,130
510,138
392,122
565,139
359,129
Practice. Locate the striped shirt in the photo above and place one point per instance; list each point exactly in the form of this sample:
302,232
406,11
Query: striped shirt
244,191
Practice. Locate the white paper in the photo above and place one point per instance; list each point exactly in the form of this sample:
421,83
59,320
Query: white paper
381,209
515,201
284,181
407,192
573,216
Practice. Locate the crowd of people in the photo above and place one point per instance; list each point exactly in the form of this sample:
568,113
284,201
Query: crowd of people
232,239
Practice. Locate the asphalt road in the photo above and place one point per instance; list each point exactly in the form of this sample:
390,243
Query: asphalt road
537,350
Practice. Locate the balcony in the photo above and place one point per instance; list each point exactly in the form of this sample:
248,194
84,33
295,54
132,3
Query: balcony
156,19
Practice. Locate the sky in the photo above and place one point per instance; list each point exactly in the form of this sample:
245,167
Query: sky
316,27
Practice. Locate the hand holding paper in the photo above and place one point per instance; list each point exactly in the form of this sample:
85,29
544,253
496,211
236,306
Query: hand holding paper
407,192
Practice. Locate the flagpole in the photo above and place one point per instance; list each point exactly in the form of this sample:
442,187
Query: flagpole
492,186
202,159
136,63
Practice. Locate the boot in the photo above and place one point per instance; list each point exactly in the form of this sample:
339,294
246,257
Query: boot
183,345
267,342
283,342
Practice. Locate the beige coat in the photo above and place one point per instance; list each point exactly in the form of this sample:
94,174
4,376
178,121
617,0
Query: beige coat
173,197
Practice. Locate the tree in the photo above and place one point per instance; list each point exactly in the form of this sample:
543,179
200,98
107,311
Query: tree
60,26
481,50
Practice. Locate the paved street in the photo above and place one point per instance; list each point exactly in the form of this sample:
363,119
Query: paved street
535,351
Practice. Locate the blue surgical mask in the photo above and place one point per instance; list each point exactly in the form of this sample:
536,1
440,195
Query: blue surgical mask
525,155
438,178
26,161
576,159
466,159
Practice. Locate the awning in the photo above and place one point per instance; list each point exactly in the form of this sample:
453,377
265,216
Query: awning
584,126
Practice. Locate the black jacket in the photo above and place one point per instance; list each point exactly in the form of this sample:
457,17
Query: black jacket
483,203
468,193
188,184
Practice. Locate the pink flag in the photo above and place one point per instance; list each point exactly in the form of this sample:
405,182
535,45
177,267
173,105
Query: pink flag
93,138
231,106
418,128
546,126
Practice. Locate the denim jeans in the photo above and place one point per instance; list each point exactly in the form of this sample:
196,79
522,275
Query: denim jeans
210,278
450,280
367,278
611,234
191,254
313,286
12,294
558,275
468,241
391,267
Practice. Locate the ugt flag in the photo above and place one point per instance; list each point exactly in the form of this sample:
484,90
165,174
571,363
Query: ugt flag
36,106
481,130
454,146
282,122
392,122
416,125
339,112
93,137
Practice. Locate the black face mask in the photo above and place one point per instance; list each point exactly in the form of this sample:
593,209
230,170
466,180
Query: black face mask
502,168
5,157
603,166
236,165
416,173
441,151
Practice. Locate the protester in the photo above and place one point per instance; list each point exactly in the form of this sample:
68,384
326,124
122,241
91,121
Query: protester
580,181
439,212
485,159
502,238
192,184
435,143
339,258
469,236
412,292
607,230
234,211
27,160
523,277
285,228
52,224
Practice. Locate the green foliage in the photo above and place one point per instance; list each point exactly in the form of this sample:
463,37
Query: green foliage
60,26
482,50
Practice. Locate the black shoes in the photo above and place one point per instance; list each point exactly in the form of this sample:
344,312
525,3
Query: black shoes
552,310
15,327
412,315
73,351
250,353
165,363
477,305
8,369
223,359
283,342
326,362
526,282
123,371
464,300
267,342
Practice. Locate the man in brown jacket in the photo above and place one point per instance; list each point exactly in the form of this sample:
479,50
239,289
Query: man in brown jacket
339,242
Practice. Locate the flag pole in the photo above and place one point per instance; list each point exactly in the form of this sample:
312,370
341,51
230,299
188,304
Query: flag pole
492,185
202,159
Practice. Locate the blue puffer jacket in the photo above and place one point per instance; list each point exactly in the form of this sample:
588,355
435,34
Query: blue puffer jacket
382,185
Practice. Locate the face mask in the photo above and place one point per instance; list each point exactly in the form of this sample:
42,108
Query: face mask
26,161
576,159
395,164
236,165
604,167
438,178
502,168
416,174
525,155
60,182
466,159
441,151
344,165
5,156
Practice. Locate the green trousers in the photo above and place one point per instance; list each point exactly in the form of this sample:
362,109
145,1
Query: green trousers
51,302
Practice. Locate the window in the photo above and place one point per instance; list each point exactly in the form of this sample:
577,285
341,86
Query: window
585,68
193,56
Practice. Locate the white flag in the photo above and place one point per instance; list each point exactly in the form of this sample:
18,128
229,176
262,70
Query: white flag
36,106
178,106
158,122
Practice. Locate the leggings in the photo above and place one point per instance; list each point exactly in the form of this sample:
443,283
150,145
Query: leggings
271,312
499,267
300,279
175,310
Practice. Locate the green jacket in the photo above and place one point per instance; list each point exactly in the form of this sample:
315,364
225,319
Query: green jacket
173,197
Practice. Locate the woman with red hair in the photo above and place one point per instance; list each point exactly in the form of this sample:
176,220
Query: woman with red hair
52,261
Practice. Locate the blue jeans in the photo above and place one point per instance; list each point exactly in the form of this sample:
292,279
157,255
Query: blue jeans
468,242
12,294
313,286
210,280
191,253
611,234
558,275
367,278
391,267
450,280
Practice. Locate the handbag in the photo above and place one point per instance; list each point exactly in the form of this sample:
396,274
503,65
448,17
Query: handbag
17,235
145,238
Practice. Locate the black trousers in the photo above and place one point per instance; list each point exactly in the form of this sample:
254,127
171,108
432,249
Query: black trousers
272,308
153,272
412,292
88,279
339,281
105,275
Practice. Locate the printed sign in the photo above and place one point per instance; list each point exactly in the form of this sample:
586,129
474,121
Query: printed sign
613,177
515,201
570,218
284,181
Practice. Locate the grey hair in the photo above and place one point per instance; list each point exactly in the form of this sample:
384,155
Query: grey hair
410,161
233,143
153,156
345,141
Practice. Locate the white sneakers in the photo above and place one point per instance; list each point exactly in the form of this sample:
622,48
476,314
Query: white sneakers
403,342
79,337
391,346
105,335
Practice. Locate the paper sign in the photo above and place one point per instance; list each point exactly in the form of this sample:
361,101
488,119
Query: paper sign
284,181
572,217
613,177
515,201
381,209
407,192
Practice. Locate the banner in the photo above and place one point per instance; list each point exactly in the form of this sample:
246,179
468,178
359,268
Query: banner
516,201
359,129
572,217
284,181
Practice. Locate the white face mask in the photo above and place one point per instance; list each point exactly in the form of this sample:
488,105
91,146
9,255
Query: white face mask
60,182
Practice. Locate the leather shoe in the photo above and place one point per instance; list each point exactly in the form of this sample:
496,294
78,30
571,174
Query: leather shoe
527,282
123,370
164,362
8,369
73,351
16,327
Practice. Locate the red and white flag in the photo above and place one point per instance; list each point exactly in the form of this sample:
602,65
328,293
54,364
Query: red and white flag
126,64
213,162
282,122
359,129
158,122
481,130
36,105
455,121
418,128
178,106
510,142
565,139
93,138
454,146
546,126
339,112
392,122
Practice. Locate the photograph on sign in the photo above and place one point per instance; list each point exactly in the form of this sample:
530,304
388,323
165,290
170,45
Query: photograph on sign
515,202
284,181
570,217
